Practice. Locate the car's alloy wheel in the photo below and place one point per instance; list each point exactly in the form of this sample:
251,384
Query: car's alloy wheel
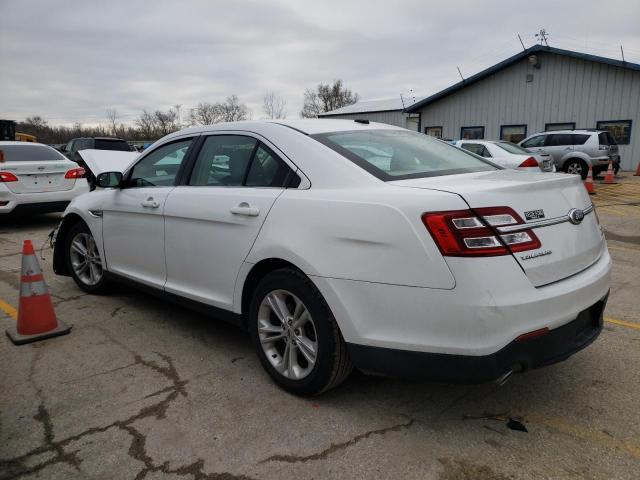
287,334
576,167
296,336
83,259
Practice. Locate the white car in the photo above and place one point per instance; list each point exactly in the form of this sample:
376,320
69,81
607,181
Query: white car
435,264
508,155
35,178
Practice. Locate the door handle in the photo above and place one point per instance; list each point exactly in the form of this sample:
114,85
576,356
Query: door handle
245,209
149,203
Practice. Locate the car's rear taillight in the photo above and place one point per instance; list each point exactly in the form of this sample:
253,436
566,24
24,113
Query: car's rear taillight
467,233
74,173
529,162
7,177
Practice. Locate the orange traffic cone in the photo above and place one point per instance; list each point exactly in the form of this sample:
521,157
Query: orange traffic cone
637,174
588,183
608,178
36,318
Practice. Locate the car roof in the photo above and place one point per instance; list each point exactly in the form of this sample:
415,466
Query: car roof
10,142
577,130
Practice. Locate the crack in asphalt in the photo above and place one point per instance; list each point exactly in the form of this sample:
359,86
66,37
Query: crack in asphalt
334,447
16,467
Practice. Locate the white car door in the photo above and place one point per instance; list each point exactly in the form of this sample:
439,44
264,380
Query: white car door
132,216
212,221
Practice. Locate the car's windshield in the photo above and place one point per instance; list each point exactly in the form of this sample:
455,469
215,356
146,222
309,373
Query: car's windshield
400,154
29,153
511,148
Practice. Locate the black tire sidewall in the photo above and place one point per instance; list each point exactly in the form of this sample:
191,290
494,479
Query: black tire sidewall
298,284
99,287
583,165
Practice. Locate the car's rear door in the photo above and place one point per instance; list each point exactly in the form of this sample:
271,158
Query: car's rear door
133,222
212,221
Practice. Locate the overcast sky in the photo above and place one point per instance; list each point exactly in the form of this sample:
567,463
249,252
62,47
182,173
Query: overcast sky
69,61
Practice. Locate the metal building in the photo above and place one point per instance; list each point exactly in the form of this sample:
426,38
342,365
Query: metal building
391,111
540,88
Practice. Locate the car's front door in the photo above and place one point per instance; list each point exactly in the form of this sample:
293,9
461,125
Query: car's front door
132,216
212,221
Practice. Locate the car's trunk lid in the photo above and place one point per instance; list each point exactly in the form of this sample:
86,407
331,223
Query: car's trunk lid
39,176
566,248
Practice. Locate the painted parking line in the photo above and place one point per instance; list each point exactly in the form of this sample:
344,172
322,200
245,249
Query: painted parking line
8,309
622,323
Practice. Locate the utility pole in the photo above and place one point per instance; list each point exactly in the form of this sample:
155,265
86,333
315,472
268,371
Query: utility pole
542,36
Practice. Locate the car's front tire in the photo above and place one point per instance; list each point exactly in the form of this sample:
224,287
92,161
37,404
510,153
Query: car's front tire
576,166
295,334
83,259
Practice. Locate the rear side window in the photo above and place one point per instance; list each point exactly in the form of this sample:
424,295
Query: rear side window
223,161
605,138
477,148
266,170
118,145
401,154
30,153
559,139
580,139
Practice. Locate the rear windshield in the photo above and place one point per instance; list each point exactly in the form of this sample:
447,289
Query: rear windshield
120,145
23,152
512,148
400,154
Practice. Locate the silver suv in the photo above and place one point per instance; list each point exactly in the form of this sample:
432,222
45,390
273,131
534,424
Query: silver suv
574,150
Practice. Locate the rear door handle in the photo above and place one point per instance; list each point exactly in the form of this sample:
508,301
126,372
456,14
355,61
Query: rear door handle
149,203
245,209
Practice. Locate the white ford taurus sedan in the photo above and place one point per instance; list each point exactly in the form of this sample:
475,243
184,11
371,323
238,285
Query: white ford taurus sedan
341,243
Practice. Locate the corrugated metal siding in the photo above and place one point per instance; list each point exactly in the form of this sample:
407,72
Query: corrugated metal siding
395,117
564,89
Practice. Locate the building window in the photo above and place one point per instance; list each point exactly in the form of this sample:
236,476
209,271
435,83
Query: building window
433,131
620,129
548,127
472,133
513,133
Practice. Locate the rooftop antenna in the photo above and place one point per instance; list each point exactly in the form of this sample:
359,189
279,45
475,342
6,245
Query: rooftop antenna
542,36
521,42
622,52
402,100
460,73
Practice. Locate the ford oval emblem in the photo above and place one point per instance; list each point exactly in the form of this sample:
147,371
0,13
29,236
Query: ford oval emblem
576,216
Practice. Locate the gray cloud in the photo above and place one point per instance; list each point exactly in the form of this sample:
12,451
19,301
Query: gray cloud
70,61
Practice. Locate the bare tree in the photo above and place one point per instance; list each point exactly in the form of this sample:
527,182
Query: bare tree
205,114
274,106
112,117
326,97
146,125
232,110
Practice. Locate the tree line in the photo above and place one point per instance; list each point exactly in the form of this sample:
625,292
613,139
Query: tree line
152,125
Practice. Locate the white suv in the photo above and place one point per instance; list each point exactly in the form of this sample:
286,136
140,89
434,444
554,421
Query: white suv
574,150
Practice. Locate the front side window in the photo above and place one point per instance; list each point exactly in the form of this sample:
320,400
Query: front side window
397,154
160,167
472,133
559,139
513,133
619,129
223,161
537,141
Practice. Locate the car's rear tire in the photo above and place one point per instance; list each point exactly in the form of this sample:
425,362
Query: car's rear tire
83,259
295,335
575,166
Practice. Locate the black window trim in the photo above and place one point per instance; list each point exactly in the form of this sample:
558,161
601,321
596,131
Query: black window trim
546,126
435,126
289,180
176,181
502,127
474,126
629,121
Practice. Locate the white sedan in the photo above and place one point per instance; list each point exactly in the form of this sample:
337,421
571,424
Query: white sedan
37,178
508,155
339,244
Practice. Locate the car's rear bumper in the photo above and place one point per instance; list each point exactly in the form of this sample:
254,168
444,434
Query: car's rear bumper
518,356
24,203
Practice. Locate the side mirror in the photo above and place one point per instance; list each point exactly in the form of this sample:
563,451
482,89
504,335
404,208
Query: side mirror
109,180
